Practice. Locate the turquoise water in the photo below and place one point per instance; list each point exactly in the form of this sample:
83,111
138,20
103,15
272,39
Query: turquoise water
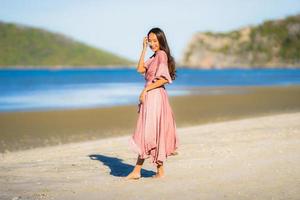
43,89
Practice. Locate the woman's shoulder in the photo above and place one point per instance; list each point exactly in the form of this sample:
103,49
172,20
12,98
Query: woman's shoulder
161,55
161,52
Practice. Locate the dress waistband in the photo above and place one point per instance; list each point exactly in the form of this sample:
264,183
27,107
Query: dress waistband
149,82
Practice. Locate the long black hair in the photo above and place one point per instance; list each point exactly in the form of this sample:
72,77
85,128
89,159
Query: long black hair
165,47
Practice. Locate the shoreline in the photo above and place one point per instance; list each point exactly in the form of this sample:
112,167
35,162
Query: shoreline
251,158
69,67
25,130
133,66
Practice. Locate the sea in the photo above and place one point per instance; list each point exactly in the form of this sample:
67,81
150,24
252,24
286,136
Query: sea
74,88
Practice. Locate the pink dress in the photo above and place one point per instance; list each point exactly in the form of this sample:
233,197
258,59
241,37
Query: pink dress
155,133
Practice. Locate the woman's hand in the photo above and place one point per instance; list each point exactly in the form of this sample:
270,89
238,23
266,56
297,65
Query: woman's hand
142,96
145,43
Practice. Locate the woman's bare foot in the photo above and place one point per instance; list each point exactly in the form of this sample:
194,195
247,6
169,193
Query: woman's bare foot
160,171
157,175
133,176
136,172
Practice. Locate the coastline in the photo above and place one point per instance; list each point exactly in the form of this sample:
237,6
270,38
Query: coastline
133,66
251,158
25,130
59,67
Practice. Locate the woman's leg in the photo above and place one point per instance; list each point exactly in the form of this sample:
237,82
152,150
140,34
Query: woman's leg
138,166
136,172
160,171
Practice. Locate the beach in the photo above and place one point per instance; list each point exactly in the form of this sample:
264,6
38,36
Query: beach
26,130
240,144
217,100
250,158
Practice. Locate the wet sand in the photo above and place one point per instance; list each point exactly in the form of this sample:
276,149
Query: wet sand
251,158
24,130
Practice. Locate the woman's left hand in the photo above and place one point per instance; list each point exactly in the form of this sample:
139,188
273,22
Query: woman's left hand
142,96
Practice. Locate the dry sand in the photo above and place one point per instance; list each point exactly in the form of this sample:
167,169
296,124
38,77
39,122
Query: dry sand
253,158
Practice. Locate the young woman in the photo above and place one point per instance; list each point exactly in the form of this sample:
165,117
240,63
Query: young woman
155,134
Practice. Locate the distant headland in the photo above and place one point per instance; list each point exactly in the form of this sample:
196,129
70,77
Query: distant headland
275,43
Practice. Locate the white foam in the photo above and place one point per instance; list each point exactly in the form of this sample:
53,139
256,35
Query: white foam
76,96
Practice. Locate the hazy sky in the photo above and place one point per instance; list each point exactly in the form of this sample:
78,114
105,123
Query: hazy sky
119,26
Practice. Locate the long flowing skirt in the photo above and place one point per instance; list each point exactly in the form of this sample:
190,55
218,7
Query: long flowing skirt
155,133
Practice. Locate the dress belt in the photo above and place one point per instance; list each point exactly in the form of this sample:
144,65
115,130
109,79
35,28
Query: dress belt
162,86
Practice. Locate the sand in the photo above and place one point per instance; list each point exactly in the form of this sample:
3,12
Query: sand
24,130
249,158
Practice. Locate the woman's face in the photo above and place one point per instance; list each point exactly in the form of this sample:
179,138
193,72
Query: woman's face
153,42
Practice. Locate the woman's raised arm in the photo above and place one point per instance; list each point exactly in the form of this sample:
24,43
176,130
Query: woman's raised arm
141,65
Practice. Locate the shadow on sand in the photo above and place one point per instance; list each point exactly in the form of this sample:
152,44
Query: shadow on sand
117,167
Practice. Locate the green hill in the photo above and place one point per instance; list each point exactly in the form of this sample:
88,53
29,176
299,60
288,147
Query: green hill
26,46
275,43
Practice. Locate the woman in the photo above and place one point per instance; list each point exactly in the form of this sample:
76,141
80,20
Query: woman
155,134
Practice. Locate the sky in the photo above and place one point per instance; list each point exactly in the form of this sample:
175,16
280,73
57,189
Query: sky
119,26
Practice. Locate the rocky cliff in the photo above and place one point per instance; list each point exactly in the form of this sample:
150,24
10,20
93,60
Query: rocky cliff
274,43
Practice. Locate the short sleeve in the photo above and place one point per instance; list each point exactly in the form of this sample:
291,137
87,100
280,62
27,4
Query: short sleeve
146,64
162,67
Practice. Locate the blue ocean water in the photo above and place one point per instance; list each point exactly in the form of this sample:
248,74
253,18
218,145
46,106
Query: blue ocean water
45,89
